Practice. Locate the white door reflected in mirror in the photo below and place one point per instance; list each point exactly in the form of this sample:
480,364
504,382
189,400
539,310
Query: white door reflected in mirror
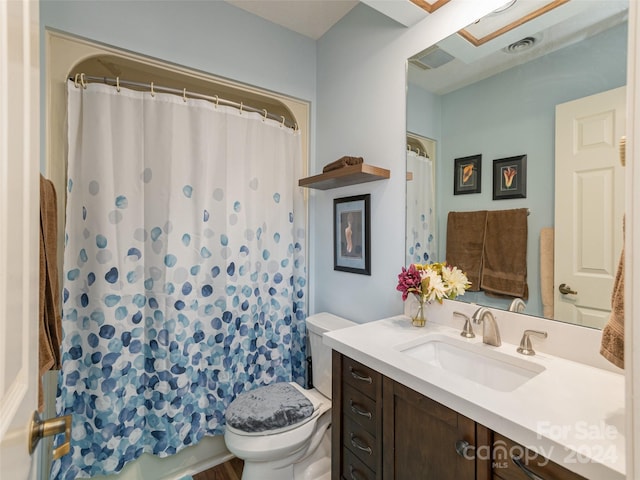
589,205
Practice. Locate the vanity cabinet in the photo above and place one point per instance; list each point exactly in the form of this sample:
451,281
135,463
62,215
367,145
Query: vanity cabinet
382,429
424,439
357,414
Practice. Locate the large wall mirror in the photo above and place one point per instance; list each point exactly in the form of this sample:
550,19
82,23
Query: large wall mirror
546,80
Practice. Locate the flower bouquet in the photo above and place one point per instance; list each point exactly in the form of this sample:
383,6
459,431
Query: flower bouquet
429,282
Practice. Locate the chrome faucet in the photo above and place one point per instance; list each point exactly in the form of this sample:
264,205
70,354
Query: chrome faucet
467,330
525,347
517,305
490,331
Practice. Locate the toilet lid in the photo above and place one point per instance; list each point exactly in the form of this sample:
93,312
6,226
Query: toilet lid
271,407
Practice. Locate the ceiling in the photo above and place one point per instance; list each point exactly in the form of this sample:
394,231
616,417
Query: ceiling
478,51
311,18
501,40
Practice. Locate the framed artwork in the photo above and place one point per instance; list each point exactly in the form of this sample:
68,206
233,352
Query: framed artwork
467,175
510,177
351,231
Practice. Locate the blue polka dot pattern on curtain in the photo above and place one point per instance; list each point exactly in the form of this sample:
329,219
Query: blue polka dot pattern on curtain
184,272
421,223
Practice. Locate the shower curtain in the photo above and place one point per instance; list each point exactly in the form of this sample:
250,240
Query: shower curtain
421,228
184,271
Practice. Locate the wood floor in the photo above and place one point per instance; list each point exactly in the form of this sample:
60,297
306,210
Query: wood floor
231,470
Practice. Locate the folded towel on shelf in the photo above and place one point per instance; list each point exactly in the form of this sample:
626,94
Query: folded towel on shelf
612,344
342,162
504,263
50,328
546,270
465,239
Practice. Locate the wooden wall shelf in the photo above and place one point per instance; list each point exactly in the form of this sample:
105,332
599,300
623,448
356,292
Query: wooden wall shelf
350,175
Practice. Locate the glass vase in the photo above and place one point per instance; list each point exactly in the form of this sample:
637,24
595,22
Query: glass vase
418,319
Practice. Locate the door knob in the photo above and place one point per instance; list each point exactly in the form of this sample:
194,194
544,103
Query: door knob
566,289
45,428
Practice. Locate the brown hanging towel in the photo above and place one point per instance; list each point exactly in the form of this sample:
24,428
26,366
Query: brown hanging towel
465,238
504,268
612,346
50,328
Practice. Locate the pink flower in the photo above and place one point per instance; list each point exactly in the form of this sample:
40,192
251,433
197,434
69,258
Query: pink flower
409,281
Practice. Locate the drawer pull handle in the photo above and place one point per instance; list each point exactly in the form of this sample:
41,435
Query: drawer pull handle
524,468
359,376
357,443
354,473
465,450
357,410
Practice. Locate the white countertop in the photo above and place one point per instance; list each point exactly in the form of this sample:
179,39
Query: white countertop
571,413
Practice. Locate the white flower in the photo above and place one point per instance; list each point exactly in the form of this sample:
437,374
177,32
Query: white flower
436,290
455,280
437,282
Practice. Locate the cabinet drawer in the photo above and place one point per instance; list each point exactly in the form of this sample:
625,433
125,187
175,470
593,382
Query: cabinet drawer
361,377
359,408
353,468
505,468
361,443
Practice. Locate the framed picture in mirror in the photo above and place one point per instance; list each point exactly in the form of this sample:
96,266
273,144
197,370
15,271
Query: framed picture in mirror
351,231
510,177
466,175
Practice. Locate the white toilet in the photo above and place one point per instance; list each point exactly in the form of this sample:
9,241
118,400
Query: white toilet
301,450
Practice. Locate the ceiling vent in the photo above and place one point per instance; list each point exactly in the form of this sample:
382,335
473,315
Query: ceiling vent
521,45
431,58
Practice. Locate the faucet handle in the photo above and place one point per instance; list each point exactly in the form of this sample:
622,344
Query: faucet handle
525,347
467,331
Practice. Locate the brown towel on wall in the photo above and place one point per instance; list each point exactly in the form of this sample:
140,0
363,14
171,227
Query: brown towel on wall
342,162
612,346
50,329
504,268
465,238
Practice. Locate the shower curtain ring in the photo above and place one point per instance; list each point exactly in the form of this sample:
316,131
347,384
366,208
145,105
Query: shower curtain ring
118,84
184,94
282,124
82,82
240,108
153,94
264,111
216,97
75,80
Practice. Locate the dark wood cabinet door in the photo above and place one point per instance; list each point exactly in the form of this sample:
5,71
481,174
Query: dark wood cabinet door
356,430
505,468
420,437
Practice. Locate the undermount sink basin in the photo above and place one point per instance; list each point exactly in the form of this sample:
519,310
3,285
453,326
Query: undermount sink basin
476,362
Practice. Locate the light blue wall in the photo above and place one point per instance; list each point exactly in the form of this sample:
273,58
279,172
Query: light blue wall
211,36
361,90
424,112
511,114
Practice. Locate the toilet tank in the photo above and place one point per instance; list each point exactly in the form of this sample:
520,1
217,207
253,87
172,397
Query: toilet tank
321,354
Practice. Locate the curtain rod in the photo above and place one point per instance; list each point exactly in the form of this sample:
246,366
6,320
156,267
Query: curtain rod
81,79
417,151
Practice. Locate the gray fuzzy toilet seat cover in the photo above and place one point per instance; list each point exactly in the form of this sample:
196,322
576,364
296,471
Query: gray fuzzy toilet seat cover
266,408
